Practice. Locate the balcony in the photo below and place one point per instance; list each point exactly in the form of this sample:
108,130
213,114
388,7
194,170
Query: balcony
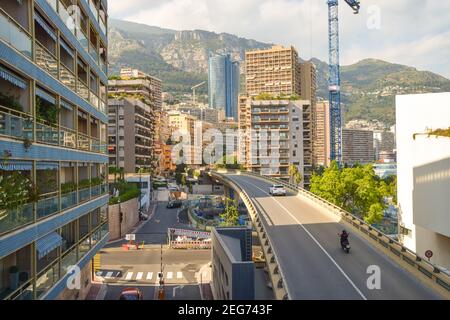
45,60
82,90
16,124
12,219
14,34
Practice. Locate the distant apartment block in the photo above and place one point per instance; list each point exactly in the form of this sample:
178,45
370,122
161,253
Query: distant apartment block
321,134
308,82
53,123
233,271
223,83
357,146
423,167
273,71
133,113
291,121
207,114
384,143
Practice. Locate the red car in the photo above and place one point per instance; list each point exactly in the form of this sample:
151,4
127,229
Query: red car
131,294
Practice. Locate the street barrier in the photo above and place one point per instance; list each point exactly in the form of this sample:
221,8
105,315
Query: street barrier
279,284
424,270
190,245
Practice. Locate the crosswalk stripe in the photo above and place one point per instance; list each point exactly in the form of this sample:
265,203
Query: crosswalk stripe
139,275
179,275
129,275
149,275
109,274
169,275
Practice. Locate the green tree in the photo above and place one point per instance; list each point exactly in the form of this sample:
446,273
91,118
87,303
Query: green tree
356,189
231,213
294,175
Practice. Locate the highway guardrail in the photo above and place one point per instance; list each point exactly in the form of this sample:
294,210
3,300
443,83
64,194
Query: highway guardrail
279,283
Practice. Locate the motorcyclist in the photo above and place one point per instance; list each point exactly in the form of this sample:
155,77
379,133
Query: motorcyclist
344,237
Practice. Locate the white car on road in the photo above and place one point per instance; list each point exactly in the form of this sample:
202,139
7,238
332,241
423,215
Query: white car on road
277,190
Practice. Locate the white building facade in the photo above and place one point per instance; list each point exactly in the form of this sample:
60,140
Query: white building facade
424,174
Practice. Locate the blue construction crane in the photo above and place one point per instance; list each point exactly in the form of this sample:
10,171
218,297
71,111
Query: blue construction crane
334,78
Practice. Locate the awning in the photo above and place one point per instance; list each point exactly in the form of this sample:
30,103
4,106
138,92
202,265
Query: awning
66,105
47,166
15,80
44,95
66,47
44,25
47,244
14,165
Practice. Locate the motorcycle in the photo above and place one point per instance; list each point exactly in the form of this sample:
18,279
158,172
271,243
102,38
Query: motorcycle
345,245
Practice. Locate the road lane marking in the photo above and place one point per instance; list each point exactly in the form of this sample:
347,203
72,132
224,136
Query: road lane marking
315,240
129,275
139,275
149,275
169,275
179,275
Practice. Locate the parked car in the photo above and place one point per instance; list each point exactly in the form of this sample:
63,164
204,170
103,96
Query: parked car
277,190
174,204
131,294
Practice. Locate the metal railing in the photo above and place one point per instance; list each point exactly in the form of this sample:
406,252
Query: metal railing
45,59
279,283
13,219
426,269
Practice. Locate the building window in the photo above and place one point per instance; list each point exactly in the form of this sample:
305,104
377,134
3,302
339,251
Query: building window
404,231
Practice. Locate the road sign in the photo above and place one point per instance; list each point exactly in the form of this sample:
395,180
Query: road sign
130,236
428,254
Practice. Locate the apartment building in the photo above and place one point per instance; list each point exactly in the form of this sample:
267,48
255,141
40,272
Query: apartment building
321,134
53,213
207,114
308,82
133,117
357,146
273,71
285,126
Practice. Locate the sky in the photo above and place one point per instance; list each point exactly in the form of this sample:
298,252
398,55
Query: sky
410,32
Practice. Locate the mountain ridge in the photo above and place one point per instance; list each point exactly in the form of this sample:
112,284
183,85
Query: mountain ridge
179,58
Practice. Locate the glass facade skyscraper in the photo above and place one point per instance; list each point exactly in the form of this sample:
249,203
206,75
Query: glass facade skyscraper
53,157
223,84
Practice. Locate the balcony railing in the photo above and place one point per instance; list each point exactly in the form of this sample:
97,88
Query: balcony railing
83,142
68,138
94,100
16,124
45,59
13,219
67,77
47,133
15,35
66,17
93,52
82,90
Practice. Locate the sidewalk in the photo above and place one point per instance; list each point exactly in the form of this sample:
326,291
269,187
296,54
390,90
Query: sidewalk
204,279
97,291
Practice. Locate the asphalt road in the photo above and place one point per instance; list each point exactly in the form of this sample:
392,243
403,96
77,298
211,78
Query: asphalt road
154,230
305,239
179,267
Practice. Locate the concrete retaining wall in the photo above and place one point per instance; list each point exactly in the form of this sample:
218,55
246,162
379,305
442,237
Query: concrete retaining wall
130,211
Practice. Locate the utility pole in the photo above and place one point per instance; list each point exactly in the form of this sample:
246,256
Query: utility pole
161,291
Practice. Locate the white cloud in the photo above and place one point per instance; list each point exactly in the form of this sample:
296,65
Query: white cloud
413,32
